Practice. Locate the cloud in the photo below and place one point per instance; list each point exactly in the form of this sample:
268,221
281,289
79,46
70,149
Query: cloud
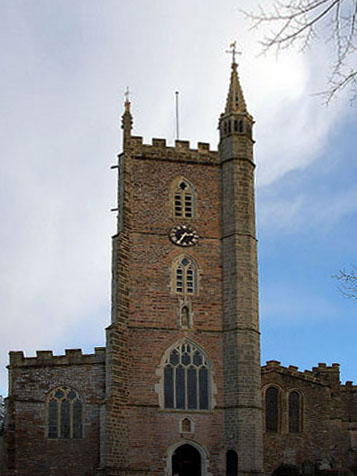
306,210
284,305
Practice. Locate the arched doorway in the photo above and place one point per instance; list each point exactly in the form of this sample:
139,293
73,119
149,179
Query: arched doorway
231,463
186,461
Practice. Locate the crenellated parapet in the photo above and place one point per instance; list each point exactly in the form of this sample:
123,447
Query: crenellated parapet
349,387
46,358
181,152
322,374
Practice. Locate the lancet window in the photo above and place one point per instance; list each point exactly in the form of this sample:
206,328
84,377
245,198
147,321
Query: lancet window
64,413
186,382
294,412
272,410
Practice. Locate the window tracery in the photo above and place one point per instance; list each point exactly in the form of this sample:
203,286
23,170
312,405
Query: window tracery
64,413
186,378
185,276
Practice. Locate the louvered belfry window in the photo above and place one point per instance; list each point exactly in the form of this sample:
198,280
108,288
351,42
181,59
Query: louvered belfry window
184,200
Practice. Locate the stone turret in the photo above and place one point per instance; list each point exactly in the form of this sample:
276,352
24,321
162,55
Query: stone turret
241,354
127,121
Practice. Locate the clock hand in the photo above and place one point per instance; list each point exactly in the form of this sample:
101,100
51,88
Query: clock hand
184,234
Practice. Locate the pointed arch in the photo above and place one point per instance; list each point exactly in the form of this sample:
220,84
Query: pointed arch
64,413
185,314
187,425
186,377
295,405
183,198
184,275
272,405
204,455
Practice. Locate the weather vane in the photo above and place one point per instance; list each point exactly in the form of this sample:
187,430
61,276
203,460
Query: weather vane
127,94
233,51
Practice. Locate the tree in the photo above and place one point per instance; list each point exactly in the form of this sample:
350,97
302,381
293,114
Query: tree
302,21
348,282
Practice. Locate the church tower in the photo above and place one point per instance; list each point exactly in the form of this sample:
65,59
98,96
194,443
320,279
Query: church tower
183,367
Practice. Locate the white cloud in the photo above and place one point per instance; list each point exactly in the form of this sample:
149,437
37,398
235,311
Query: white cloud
296,307
307,210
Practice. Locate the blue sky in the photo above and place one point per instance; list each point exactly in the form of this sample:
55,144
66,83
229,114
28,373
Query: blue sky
304,318
65,66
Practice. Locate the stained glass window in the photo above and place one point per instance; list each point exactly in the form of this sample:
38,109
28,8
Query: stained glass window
64,414
186,379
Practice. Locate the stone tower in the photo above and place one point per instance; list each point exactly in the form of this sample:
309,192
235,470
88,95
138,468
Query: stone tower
183,367
240,320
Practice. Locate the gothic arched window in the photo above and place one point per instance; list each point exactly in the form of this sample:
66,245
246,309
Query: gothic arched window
186,378
64,413
183,199
185,276
272,410
294,412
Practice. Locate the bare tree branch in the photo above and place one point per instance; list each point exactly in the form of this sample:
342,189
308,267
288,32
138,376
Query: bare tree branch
302,21
348,282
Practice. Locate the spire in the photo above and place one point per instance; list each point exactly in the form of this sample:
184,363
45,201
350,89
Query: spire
127,118
235,99
235,120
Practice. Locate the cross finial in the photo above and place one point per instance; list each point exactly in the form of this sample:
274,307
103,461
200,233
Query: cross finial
233,51
127,94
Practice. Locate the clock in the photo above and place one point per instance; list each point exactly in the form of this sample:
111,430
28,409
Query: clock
183,235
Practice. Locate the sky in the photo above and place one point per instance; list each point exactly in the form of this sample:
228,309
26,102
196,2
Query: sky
65,65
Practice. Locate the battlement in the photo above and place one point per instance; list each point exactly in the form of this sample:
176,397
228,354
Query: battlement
315,375
322,367
349,387
181,151
46,358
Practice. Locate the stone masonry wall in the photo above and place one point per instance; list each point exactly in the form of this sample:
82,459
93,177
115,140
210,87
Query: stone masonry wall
28,450
327,439
153,319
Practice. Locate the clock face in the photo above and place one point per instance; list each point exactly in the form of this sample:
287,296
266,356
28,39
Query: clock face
183,235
